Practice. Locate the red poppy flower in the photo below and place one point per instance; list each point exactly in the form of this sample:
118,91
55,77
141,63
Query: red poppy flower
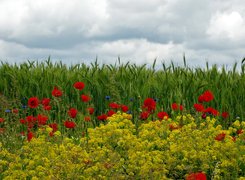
22,121
41,119
225,115
175,106
47,108
201,99
45,101
90,110
144,115
206,97
196,176
220,137
149,104
56,92
30,119
199,107
1,120
124,108
33,102
15,111
215,112
54,126
212,111
114,105
30,135
72,112
85,98
69,124
110,113
102,117
79,85
162,115
87,118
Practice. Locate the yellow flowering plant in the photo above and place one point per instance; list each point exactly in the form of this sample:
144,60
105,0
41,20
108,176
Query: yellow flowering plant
160,149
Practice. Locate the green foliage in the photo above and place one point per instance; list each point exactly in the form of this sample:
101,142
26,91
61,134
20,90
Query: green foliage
125,81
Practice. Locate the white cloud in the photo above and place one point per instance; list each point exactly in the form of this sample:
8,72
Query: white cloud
139,49
24,20
135,30
227,26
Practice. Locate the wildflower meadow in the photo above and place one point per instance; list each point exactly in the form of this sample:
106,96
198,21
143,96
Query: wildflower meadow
121,121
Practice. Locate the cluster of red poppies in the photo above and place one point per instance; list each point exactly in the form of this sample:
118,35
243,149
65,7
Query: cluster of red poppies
114,107
206,97
148,109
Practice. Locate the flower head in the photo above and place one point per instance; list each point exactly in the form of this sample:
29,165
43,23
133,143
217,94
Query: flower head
69,124
54,126
199,107
225,115
149,104
42,119
72,112
85,98
114,105
33,102
110,113
79,85
23,121
196,176
124,108
90,110
7,110
47,108
206,97
144,115
87,118
45,101
175,106
1,120
15,111
29,136
102,117
107,97
56,92
162,115
212,111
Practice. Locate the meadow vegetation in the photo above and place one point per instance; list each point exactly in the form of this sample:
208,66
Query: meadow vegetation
121,121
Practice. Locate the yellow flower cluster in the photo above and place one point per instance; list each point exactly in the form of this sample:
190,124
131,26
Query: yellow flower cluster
168,149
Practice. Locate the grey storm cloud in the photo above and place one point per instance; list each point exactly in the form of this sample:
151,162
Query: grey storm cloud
139,31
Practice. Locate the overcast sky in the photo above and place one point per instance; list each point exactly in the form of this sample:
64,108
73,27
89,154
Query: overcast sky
136,30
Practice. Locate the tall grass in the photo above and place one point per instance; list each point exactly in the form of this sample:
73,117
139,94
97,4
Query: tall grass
124,83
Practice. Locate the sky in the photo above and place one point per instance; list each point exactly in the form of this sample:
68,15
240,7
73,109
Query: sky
139,31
